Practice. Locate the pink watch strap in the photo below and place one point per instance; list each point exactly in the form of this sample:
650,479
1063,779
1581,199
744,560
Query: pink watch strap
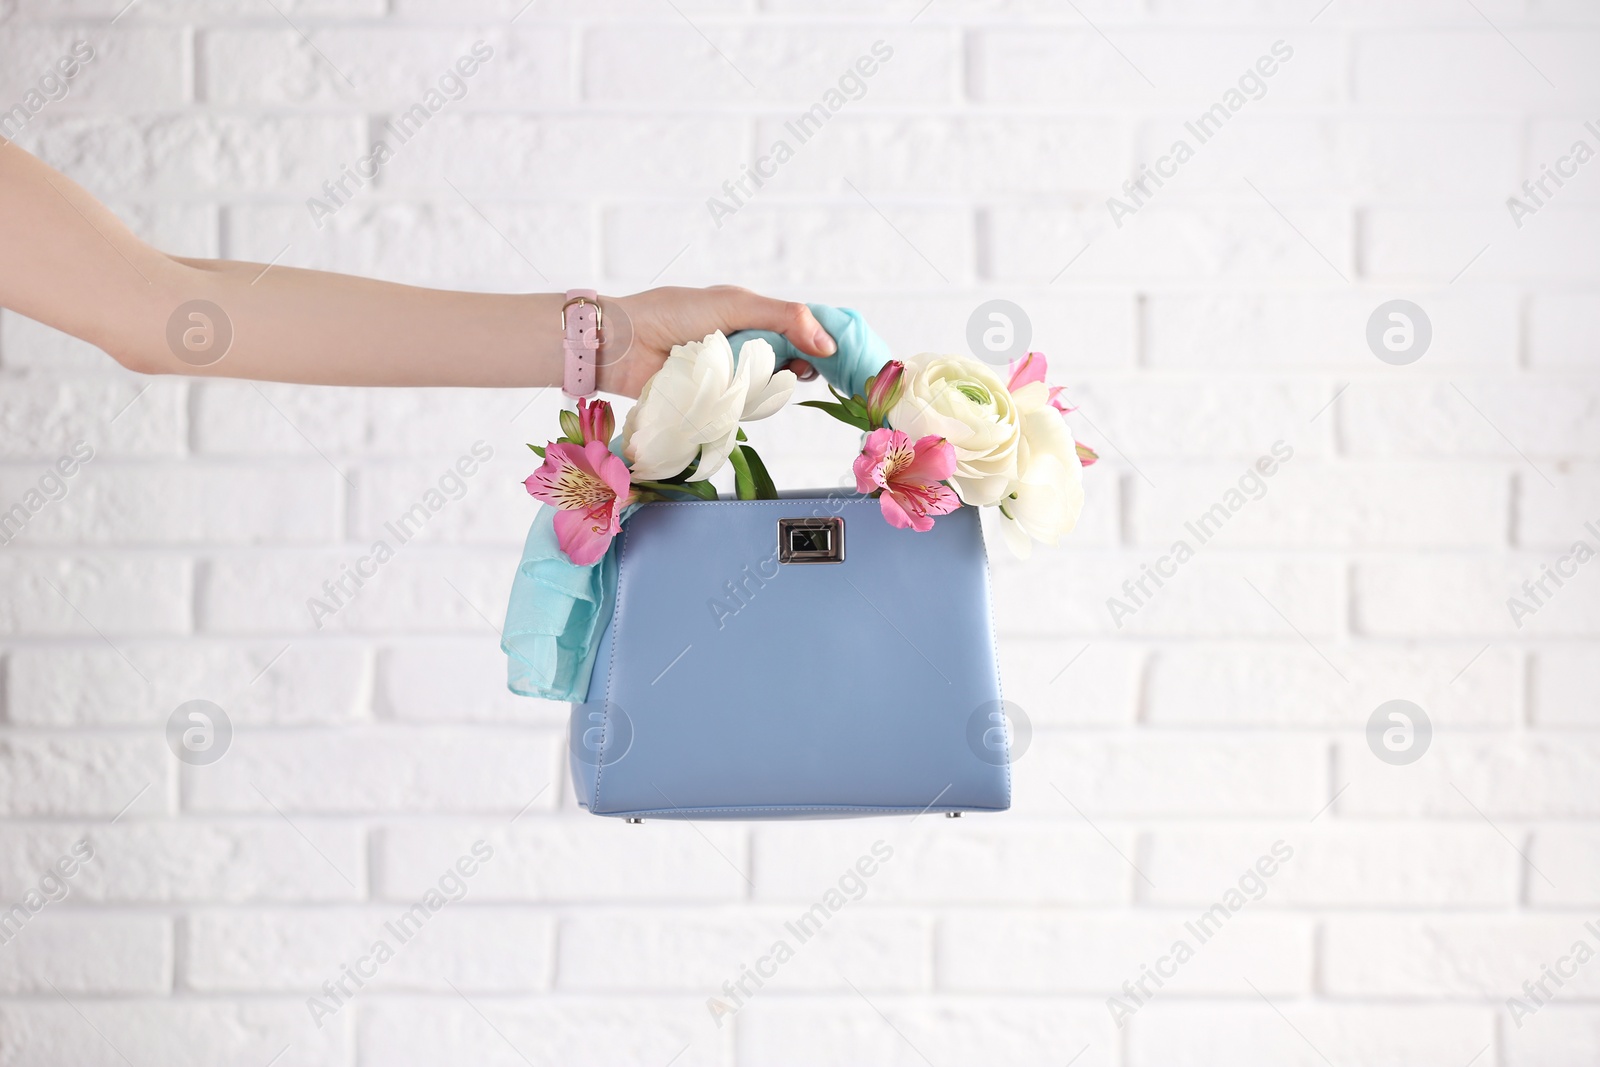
580,342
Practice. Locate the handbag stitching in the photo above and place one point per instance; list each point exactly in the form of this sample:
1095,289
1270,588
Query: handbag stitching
787,807
885,808
790,501
994,638
611,674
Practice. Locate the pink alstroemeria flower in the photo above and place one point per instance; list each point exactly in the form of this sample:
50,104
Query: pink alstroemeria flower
590,487
1031,368
909,475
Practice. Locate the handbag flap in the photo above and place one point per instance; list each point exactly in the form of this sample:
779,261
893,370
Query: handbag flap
730,682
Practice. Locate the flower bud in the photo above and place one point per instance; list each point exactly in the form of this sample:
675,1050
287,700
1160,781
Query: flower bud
883,391
596,421
1029,369
571,427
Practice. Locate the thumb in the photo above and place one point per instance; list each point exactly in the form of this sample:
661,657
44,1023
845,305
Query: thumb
861,352
793,321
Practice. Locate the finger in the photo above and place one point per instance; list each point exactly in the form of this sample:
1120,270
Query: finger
790,318
802,370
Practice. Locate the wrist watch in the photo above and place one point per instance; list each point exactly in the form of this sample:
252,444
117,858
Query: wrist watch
581,336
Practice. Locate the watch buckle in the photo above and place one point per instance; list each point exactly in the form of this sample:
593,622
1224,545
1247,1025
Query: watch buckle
599,312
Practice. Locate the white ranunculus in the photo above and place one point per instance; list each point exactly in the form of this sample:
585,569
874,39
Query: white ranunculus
967,403
693,405
1047,495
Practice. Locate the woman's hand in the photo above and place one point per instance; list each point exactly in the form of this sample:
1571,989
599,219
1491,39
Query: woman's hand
650,323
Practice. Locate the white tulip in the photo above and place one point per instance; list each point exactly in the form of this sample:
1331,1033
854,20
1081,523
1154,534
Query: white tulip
693,405
967,403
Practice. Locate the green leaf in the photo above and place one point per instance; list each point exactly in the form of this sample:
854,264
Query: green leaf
855,405
840,412
744,486
740,435
703,490
765,490
538,450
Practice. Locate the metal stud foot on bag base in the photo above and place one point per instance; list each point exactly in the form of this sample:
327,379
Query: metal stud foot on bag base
635,822
952,815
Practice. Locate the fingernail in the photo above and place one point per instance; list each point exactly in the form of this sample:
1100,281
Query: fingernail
823,342
806,372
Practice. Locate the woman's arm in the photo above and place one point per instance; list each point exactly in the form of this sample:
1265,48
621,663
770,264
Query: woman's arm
69,263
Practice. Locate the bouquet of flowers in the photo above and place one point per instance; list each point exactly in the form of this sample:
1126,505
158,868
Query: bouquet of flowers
941,432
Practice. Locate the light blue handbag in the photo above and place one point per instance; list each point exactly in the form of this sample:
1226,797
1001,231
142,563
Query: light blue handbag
793,658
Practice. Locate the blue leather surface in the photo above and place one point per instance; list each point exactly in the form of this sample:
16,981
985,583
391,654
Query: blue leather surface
822,690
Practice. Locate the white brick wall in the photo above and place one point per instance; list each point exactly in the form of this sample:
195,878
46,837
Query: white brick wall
1170,753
